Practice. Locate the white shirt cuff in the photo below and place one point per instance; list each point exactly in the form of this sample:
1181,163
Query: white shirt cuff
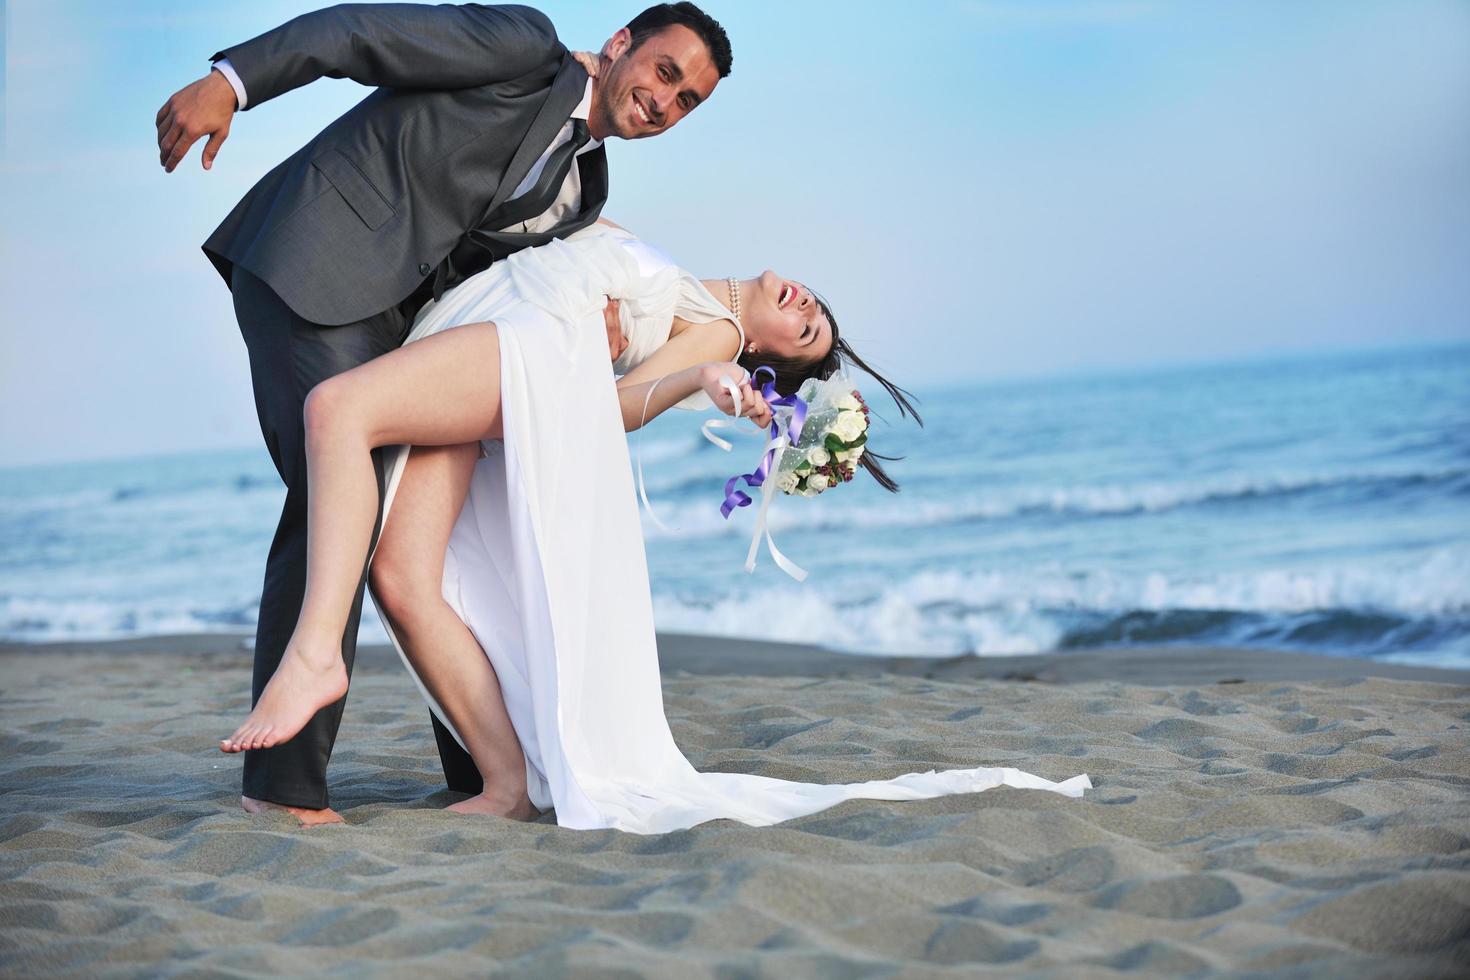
228,70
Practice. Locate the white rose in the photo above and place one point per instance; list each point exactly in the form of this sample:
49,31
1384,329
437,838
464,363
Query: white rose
849,426
787,482
856,451
817,456
849,404
818,481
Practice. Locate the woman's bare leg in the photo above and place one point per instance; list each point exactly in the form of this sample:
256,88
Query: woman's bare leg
442,390
407,577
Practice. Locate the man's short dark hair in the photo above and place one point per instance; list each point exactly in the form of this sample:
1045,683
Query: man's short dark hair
663,15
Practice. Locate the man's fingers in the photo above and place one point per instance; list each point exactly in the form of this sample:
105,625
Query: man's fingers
179,151
166,110
587,60
615,340
216,140
167,141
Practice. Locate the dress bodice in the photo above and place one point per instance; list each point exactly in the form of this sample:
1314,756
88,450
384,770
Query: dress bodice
571,279
662,292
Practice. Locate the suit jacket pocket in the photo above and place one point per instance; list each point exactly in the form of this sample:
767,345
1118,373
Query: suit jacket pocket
356,189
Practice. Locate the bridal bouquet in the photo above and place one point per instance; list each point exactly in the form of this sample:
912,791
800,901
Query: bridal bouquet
816,437
832,439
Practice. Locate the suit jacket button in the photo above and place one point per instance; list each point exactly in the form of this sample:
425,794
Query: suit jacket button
425,268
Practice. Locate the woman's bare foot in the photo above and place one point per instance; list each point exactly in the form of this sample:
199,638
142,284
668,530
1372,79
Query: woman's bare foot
516,805
308,817
297,690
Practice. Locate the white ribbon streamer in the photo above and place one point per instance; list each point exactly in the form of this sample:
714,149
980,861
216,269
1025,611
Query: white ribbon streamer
734,391
642,488
768,488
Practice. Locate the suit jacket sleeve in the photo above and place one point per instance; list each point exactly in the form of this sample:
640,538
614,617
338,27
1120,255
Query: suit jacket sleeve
401,45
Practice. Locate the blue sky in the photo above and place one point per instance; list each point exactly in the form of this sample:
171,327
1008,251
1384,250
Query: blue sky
982,189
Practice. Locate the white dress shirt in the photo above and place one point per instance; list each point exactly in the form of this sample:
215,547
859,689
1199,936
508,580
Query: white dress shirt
568,199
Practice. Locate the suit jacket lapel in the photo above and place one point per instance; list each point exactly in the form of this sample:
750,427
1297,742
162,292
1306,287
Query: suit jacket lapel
567,89
593,171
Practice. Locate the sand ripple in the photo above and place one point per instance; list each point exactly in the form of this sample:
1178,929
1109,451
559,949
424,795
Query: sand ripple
1281,828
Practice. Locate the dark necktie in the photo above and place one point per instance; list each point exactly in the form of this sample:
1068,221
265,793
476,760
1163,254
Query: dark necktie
535,201
548,184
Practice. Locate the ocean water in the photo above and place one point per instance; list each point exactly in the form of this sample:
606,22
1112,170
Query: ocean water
1319,504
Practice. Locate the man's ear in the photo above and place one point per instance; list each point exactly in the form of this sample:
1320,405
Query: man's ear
617,45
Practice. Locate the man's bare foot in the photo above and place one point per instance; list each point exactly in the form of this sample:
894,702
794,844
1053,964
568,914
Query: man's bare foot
308,818
297,690
516,806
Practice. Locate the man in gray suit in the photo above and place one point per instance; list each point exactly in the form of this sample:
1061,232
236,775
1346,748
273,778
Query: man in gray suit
483,136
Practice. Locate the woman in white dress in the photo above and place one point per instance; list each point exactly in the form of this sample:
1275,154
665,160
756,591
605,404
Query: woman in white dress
511,573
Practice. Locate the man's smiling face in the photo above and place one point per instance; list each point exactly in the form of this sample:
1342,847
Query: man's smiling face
643,91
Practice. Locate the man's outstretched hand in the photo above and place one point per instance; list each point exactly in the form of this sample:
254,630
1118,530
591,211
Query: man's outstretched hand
203,107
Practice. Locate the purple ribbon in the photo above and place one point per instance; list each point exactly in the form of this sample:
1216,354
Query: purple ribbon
738,498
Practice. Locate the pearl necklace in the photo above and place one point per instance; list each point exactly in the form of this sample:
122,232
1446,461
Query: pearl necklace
735,308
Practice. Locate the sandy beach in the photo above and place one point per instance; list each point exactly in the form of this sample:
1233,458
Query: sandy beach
1254,812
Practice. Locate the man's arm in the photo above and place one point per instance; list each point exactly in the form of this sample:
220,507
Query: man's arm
402,45
226,69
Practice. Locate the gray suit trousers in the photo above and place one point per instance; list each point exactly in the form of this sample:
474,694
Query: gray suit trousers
288,357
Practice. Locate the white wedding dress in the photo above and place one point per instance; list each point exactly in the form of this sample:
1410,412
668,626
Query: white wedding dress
546,562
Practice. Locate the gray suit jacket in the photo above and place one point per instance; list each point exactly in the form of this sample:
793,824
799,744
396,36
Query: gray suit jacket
468,99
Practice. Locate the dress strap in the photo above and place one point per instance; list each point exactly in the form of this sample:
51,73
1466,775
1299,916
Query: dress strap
697,305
